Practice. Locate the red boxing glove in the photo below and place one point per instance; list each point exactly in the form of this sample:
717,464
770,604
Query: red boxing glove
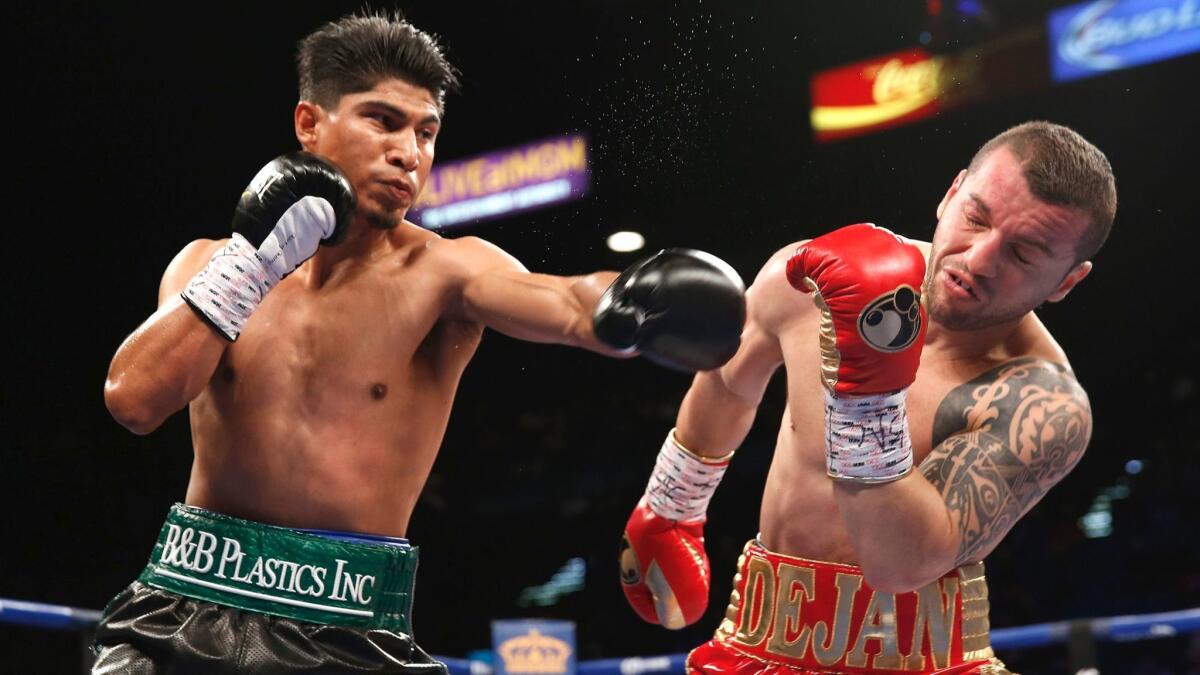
868,286
664,570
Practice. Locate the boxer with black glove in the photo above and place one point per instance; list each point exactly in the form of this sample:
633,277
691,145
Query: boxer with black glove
341,372
294,204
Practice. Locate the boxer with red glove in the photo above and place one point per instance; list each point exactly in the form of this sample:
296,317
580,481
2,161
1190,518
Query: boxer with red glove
867,283
664,569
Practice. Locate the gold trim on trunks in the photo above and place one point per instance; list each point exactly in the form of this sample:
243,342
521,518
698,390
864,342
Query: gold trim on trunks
975,625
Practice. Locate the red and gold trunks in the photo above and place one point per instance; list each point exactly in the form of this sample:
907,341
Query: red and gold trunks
793,616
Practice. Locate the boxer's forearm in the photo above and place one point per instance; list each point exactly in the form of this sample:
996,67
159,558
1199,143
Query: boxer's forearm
902,531
713,421
540,307
161,367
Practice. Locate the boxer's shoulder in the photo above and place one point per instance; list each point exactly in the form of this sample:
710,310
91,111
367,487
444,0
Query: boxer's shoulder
465,256
999,399
771,301
1032,339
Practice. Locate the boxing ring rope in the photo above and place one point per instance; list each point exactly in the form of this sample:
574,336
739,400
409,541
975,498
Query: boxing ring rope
1127,628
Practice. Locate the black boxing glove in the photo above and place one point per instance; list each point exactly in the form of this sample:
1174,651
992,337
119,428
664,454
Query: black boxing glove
680,308
294,204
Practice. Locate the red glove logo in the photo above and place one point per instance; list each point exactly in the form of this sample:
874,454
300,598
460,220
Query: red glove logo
630,567
892,322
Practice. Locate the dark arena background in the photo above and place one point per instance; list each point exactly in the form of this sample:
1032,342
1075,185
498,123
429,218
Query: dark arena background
132,128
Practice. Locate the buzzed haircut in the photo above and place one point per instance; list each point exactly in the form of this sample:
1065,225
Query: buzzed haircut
356,52
1061,167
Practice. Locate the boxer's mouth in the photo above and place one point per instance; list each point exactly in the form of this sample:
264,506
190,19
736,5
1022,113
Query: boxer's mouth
962,282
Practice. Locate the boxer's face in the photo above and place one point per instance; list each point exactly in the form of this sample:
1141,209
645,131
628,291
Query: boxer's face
998,251
382,139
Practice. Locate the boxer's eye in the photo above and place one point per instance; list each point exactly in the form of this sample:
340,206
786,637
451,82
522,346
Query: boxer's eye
381,118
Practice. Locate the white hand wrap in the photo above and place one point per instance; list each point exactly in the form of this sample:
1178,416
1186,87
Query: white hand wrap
237,278
683,482
866,437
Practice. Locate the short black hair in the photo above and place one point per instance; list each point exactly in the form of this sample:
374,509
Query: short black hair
356,52
1062,167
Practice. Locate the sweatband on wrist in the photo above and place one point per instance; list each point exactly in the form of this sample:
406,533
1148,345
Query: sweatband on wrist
866,437
230,287
682,483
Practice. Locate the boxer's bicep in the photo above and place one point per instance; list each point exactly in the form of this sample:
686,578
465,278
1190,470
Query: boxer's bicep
481,274
747,374
719,408
499,292
1003,440
771,306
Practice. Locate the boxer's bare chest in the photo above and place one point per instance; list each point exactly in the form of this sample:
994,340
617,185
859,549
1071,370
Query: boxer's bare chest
372,335
329,409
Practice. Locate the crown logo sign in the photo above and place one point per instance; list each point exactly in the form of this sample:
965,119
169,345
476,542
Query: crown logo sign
535,653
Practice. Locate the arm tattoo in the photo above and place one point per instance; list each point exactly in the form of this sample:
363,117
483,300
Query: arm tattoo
1001,441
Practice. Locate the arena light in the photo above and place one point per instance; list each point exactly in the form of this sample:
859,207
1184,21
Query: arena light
625,241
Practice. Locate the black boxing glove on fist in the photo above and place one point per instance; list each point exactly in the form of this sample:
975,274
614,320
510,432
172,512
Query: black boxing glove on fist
294,204
680,308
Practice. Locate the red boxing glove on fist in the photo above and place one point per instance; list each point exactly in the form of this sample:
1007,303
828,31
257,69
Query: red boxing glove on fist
868,285
664,570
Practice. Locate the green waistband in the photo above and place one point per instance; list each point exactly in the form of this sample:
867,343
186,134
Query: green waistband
275,570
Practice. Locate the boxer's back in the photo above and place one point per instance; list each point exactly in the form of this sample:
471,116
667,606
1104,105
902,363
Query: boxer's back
329,410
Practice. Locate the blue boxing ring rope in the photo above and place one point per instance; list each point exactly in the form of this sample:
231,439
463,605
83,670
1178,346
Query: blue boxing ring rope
1114,628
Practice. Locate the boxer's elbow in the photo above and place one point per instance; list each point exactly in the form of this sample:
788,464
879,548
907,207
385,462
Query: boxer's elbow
130,409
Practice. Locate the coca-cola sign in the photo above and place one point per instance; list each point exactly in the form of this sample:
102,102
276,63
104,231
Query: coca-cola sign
912,85
884,92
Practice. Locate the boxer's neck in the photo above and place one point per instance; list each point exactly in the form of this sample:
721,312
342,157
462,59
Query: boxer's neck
361,244
942,343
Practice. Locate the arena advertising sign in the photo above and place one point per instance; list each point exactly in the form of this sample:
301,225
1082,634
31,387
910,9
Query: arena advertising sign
504,182
1104,35
877,94
904,87
533,647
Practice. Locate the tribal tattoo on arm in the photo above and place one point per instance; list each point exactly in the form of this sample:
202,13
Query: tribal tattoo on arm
1001,441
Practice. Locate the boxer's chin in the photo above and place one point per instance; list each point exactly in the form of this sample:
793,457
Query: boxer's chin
962,319
384,220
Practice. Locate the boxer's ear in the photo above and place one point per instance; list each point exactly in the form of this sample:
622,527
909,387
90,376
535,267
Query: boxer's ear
306,118
1073,277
